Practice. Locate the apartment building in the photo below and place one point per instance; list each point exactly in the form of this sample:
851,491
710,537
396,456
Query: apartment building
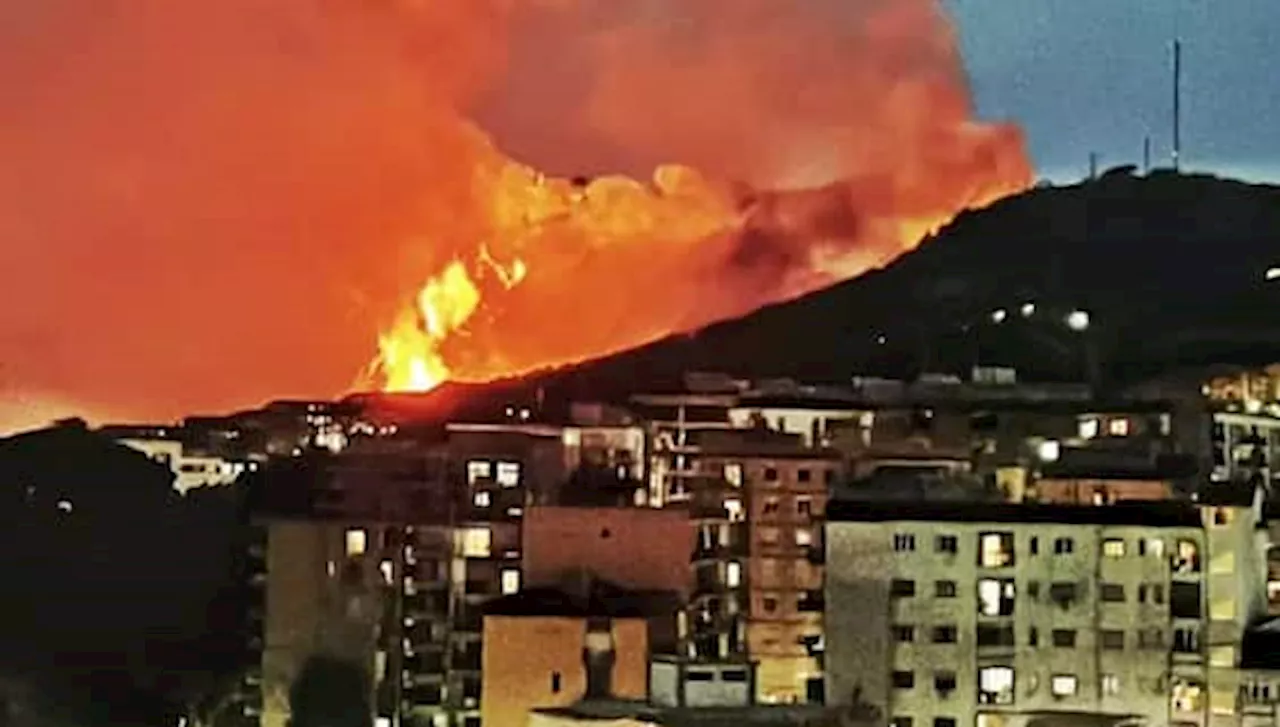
997,614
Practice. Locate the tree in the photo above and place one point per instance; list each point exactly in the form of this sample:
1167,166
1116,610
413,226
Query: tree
330,692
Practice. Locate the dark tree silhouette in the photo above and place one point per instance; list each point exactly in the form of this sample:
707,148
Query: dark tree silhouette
330,692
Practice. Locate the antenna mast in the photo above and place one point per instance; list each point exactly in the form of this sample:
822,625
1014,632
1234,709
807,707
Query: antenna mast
1177,102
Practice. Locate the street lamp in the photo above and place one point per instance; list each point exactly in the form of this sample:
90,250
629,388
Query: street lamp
1028,310
998,315
1272,273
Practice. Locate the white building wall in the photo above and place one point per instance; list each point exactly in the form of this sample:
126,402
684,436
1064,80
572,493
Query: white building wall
189,472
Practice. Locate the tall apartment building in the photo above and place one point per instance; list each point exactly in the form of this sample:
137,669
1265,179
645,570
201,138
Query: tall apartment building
1000,614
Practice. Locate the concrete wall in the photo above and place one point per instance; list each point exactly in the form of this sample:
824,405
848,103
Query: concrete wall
533,662
637,548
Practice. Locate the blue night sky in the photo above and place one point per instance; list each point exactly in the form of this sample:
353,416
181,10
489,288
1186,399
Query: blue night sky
1094,75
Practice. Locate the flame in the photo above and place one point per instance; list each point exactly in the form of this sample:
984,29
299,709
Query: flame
793,189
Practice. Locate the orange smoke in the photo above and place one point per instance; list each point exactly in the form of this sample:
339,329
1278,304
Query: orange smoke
826,138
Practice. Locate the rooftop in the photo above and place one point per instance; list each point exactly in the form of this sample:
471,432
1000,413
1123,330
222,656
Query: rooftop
1147,514
583,599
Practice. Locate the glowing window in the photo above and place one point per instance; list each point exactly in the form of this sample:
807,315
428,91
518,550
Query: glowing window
482,499
733,575
1088,428
733,474
1110,685
357,541
510,582
1187,696
476,543
1113,548
388,570
1064,685
995,550
478,469
995,685
1118,427
804,537
508,474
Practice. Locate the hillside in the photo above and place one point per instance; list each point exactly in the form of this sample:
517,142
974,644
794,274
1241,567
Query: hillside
1170,268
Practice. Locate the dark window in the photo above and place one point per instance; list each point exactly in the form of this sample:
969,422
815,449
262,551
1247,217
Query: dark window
771,604
902,588
770,474
1112,593
946,544
555,682
803,475
989,635
1142,592
904,679
804,507
944,634
904,542
1033,637
944,589
1033,589
1063,594
1186,641
944,681
1064,638
904,634
944,722
1063,546
700,676
900,722
604,533
1184,600
1112,640
734,675
1034,545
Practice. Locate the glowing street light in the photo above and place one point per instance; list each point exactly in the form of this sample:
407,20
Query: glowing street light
998,315
1028,310
1078,320
1272,273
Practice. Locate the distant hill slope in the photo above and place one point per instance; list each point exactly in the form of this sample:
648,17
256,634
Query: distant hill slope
1170,268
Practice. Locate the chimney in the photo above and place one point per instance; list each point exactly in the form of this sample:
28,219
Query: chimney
598,657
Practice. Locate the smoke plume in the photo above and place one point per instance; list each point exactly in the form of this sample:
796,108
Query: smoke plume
205,205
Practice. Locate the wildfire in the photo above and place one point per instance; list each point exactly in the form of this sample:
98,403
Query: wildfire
794,190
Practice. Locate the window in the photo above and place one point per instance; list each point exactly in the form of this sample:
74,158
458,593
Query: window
904,634
1111,639
770,506
995,597
1064,638
1187,696
804,537
995,550
478,469
944,589
508,474
770,605
992,635
1222,656
388,570
803,475
1118,427
1063,685
946,544
476,543
357,540
1186,640
770,474
733,575
904,679
1033,546
995,685
904,542
944,681
510,582
1157,593
1187,558
1063,546
1062,593
902,588
1111,593
1151,638
900,722
944,722
733,675
1184,600
1110,685
1113,548
1088,428
1033,636
944,634
482,499
1153,547
1033,589
1221,516
555,682
804,507
733,474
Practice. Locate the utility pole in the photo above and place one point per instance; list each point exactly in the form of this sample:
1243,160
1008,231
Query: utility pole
1146,154
1177,103
1093,165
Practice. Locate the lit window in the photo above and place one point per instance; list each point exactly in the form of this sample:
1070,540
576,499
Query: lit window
995,685
388,570
995,550
483,499
1187,559
995,597
476,543
1113,548
1187,696
478,469
1223,656
1064,685
1153,547
508,474
1088,428
510,582
357,540
1118,427
1110,685
1049,450
733,474
804,537
733,575
735,510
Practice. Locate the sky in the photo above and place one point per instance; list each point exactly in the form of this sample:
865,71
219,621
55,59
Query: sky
1085,76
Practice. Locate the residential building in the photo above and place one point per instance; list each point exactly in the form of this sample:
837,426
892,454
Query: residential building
1011,614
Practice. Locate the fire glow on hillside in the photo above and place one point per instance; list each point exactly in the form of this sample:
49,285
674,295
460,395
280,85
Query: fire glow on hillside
825,142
